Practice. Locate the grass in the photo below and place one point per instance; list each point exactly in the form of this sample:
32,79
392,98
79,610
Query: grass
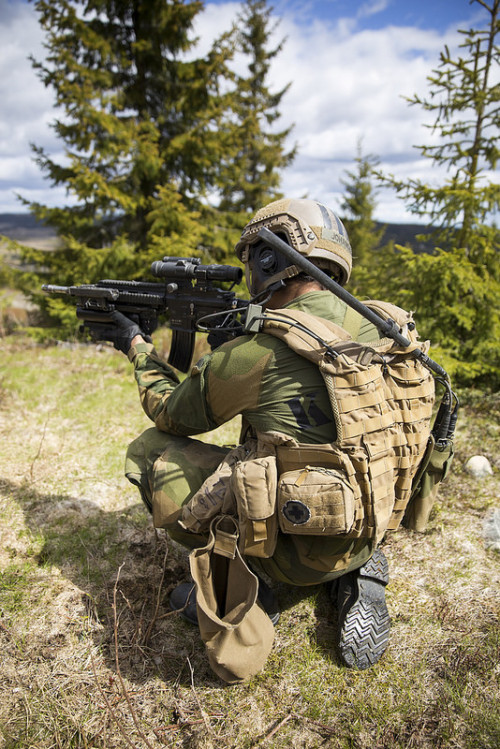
92,657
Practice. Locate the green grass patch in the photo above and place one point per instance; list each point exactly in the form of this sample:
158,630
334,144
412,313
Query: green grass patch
91,651
17,580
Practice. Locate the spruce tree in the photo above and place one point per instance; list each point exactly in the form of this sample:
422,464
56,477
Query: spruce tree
251,169
252,179
358,206
145,126
142,117
456,290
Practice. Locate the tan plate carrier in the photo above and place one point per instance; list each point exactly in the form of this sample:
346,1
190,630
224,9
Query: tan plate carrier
381,398
357,486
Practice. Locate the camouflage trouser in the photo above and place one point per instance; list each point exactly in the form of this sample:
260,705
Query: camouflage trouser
168,470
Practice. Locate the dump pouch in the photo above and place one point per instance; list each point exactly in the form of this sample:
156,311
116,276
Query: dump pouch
243,485
237,632
432,470
214,497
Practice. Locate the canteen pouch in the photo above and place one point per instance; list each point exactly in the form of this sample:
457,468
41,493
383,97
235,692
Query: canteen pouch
237,633
433,469
253,484
317,501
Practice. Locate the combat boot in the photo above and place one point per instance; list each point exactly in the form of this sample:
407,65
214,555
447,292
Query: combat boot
363,618
183,599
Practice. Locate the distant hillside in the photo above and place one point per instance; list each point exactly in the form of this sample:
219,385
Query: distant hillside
24,227
406,234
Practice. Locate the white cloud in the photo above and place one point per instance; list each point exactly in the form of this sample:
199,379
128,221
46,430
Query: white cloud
26,106
347,85
372,8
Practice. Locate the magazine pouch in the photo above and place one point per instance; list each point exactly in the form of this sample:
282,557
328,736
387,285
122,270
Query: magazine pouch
253,484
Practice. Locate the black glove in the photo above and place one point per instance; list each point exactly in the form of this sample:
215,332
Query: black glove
216,338
120,331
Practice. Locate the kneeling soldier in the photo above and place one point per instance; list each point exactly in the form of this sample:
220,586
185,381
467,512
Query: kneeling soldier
325,463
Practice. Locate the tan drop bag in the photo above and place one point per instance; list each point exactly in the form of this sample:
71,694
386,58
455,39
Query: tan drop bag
237,632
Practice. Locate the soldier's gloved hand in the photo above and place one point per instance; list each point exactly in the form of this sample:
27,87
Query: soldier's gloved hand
216,338
120,331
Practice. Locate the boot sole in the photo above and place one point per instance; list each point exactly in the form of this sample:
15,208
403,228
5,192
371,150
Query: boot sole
364,633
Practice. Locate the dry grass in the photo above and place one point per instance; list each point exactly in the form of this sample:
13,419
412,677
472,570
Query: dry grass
92,657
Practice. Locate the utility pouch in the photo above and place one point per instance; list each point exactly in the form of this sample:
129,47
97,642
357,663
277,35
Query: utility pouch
317,501
253,484
214,497
237,633
433,469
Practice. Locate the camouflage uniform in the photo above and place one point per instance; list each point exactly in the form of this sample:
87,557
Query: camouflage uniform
274,389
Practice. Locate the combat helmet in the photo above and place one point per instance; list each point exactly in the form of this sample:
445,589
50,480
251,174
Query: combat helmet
306,225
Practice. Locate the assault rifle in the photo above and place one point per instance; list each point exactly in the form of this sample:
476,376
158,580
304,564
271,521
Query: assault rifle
188,294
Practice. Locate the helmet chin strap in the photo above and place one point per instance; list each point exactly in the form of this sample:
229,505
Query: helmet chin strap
268,292
275,282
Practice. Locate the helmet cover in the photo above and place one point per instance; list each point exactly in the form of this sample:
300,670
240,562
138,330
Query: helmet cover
309,227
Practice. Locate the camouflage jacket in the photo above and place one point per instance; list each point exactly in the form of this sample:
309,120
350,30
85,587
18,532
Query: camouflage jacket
257,376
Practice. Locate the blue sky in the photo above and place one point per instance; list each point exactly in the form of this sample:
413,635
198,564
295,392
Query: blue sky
350,64
424,14
377,14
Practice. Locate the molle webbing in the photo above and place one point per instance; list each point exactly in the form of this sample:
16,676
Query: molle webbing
381,399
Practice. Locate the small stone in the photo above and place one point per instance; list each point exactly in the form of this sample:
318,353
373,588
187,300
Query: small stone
479,467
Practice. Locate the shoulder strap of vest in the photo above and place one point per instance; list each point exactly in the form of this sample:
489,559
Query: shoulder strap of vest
403,318
320,340
308,335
